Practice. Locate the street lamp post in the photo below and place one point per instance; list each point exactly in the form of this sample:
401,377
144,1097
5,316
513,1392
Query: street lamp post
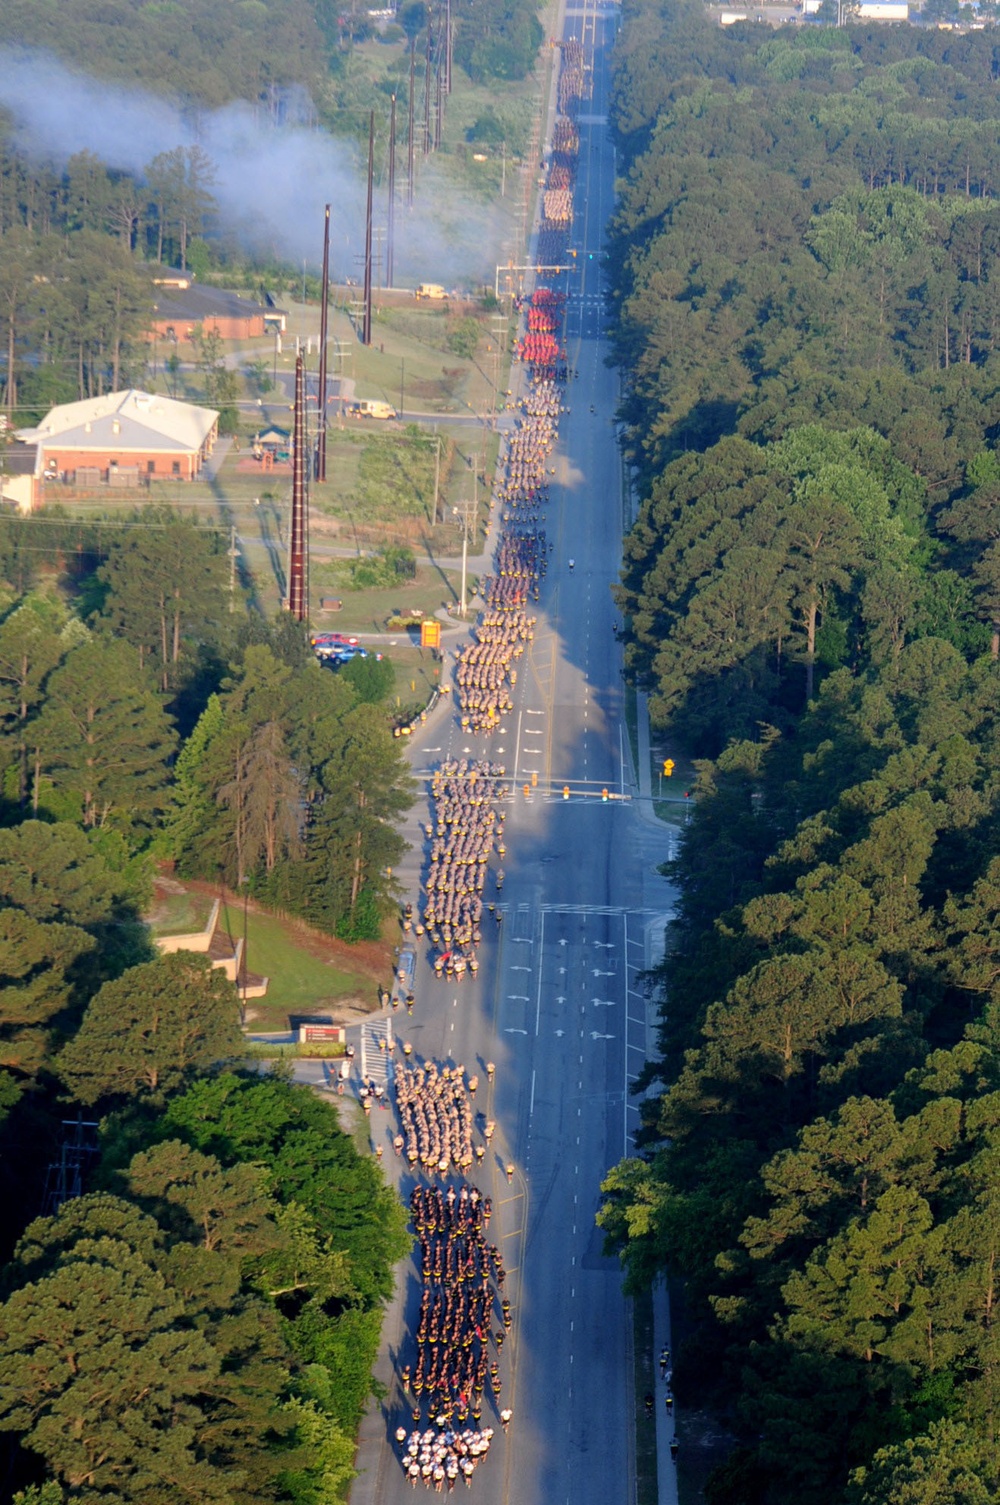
466,512
465,555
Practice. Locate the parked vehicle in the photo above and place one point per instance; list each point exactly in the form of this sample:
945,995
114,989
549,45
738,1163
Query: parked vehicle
370,408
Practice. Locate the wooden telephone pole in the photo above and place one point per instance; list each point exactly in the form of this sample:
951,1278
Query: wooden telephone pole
321,395
366,328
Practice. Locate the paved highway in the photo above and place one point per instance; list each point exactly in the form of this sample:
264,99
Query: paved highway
556,1003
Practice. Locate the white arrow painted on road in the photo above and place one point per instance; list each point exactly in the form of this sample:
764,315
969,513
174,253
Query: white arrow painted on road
519,967
603,1003
560,1033
605,945
595,1035
518,997
560,999
564,941
596,972
511,1031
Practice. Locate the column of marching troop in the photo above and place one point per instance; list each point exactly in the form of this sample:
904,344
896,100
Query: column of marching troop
458,1337
435,1117
464,1317
467,829
486,670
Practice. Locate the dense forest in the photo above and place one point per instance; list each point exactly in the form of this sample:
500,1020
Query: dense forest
803,262
225,1270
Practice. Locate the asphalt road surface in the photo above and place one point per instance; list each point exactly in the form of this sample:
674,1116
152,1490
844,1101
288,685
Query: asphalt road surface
556,1004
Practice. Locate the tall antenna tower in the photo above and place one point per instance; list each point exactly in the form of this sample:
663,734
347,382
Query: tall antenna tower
298,552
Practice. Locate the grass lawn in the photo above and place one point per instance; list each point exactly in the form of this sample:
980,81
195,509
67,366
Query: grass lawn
416,678
368,611
179,914
301,982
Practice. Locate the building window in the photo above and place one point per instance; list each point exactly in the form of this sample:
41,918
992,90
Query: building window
175,468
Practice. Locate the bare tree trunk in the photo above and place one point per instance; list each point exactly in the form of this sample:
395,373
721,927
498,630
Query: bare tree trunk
356,878
164,682
177,627
10,391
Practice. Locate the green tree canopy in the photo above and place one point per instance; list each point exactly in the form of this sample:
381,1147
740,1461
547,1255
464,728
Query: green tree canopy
148,1030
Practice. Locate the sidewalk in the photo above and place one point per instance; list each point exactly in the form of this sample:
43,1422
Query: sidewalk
666,1467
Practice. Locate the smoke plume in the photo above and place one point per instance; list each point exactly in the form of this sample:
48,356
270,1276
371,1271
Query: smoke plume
271,181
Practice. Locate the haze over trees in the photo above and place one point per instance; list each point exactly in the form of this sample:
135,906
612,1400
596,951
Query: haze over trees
802,263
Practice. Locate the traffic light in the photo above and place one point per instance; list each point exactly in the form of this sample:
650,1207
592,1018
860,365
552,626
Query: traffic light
527,790
534,781
604,795
687,794
565,791
668,766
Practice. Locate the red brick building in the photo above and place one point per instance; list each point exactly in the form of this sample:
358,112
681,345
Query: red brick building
123,439
180,306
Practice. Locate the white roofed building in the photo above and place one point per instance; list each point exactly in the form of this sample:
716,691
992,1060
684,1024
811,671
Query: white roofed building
123,438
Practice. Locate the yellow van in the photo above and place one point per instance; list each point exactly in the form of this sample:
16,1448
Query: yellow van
433,291
371,409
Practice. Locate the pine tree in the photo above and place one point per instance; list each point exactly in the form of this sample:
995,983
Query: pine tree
147,1030
104,737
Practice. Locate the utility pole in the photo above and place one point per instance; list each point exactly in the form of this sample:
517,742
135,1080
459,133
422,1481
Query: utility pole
466,511
447,48
437,470
439,105
323,314
234,554
366,328
427,93
409,132
391,219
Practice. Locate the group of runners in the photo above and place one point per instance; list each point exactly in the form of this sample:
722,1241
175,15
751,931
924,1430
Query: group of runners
456,1372
435,1117
440,1458
485,673
467,829
461,1284
487,668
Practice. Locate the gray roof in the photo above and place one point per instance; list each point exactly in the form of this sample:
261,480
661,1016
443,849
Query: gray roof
197,303
18,459
120,422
